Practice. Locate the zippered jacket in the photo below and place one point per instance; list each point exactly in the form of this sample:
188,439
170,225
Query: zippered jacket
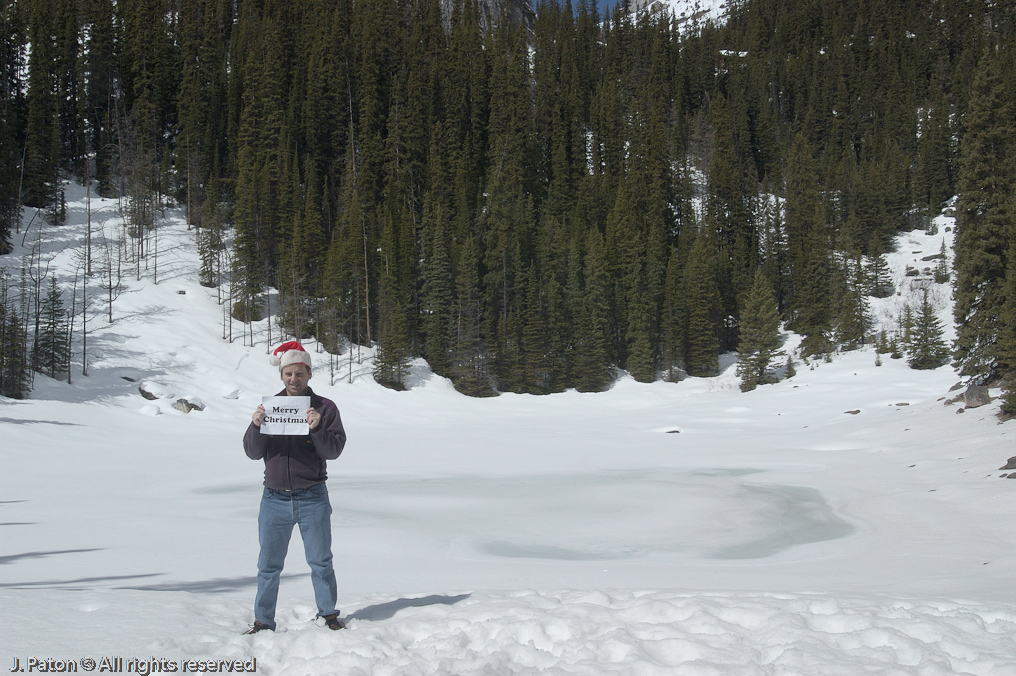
295,462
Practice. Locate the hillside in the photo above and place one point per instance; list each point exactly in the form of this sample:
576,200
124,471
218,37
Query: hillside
530,205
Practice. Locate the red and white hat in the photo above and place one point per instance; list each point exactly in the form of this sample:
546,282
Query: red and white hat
290,352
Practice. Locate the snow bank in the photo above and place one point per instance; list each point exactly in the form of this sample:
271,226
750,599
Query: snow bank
555,633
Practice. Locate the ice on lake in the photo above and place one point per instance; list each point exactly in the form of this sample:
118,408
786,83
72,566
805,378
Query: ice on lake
709,514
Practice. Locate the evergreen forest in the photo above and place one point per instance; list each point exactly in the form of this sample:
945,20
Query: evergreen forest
530,205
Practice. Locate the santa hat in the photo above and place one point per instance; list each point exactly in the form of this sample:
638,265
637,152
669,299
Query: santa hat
290,352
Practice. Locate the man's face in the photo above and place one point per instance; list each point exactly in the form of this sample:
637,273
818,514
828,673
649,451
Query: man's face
295,377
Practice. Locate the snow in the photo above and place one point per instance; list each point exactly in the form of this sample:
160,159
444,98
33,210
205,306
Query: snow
683,11
844,521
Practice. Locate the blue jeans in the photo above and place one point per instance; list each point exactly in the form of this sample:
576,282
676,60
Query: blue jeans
280,511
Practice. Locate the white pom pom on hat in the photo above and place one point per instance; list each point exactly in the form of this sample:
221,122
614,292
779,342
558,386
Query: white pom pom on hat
290,352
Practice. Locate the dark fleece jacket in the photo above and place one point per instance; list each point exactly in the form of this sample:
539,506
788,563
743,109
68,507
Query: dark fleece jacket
294,462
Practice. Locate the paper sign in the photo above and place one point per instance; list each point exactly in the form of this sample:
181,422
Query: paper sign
285,415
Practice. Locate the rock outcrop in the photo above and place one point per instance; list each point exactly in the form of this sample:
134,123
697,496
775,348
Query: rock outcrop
491,11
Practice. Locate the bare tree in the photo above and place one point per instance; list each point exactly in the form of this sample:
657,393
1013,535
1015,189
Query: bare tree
111,270
84,264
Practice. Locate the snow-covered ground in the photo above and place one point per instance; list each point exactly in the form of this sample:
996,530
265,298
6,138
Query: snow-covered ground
844,521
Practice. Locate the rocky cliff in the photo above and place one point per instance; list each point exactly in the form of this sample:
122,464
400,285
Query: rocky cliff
517,12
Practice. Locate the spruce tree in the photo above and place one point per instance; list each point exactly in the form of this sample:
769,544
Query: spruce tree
1007,334
591,366
987,186
558,328
853,312
509,218
12,105
438,299
15,366
927,350
809,250
210,237
703,302
759,333
102,84
262,153
672,332
42,151
248,274
943,272
933,180
535,364
728,209
51,351
879,275
470,368
391,361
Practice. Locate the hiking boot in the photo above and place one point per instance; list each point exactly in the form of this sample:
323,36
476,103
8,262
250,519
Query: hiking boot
333,622
256,627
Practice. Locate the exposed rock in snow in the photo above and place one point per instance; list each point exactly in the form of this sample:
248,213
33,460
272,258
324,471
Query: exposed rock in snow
186,405
152,390
976,395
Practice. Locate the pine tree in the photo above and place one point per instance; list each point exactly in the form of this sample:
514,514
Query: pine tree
391,362
927,350
987,185
1007,334
535,366
15,366
470,366
933,180
591,367
438,300
672,332
759,332
558,318
42,150
258,172
210,238
344,279
906,325
879,275
635,250
248,274
70,87
509,219
102,84
703,302
191,107
12,105
809,250
51,352
943,272
853,313
728,208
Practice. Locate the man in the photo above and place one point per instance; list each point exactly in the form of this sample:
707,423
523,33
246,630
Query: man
295,492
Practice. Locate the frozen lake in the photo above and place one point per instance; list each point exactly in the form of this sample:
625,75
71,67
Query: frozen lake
588,517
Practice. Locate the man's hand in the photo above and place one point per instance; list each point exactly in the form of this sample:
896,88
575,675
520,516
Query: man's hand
259,416
313,418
